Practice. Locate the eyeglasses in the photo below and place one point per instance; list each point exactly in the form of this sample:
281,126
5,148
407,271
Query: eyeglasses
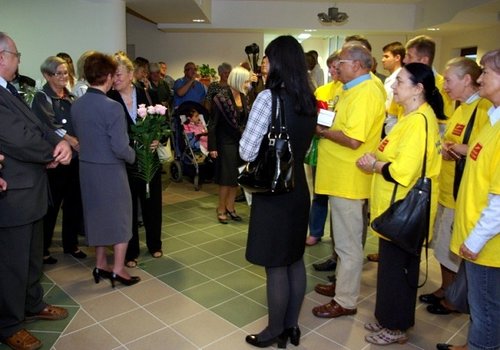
17,54
344,61
60,74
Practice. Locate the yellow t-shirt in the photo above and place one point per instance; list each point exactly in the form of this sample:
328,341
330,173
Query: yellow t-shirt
455,133
329,91
404,148
481,177
360,114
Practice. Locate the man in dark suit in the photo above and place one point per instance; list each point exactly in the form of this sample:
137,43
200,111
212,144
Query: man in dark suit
28,148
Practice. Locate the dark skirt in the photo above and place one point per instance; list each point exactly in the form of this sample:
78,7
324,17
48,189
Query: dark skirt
397,280
107,203
226,165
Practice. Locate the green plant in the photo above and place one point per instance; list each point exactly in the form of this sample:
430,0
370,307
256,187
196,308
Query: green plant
206,72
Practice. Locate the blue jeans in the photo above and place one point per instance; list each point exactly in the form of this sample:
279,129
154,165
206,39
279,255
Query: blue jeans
318,214
483,283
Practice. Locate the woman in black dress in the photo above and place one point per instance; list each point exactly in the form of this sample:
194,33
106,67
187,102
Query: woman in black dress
224,132
278,223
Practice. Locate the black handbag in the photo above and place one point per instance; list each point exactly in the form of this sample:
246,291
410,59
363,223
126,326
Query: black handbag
406,221
460,163
272,170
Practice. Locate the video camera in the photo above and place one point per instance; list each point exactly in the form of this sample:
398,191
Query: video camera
253,49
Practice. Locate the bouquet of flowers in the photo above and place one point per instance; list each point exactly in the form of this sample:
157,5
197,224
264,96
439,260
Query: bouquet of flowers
151,124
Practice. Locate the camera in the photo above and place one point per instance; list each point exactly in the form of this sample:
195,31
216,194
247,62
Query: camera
252,49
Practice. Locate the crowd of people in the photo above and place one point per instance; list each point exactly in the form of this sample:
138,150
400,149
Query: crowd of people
75,139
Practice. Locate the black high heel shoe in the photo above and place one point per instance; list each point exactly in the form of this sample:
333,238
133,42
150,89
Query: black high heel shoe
253,339
128,282
99,273
233,215
293,333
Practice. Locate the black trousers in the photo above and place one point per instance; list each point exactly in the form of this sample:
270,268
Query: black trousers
397,280
64,184
151,214
20,271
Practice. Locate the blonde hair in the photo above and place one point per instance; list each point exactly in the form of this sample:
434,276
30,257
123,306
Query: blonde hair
124,61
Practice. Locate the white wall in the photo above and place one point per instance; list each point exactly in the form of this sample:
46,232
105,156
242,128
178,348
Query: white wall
181,47
41,30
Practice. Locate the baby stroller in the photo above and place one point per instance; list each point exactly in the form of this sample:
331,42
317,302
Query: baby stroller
189,160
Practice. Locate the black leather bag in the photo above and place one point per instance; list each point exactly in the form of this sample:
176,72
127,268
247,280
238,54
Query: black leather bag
272,170
406,221
460,163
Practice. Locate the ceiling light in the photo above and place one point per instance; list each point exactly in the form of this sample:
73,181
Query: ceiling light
433,29
304,36
198,20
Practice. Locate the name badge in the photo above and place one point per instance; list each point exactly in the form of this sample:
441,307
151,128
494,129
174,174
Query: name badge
326,117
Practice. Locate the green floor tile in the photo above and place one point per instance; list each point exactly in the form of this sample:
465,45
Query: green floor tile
218,247
57,296
210,294
173,244
183,279
240,311
240,239
236,257
241,281
197,237
215,267
177,229
259,295
191,256
161,266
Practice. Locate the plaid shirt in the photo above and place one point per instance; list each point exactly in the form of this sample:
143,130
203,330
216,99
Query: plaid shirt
257,126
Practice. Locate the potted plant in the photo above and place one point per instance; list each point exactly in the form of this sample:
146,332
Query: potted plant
206,73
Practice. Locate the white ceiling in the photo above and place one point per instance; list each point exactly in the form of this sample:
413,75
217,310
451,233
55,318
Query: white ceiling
448,15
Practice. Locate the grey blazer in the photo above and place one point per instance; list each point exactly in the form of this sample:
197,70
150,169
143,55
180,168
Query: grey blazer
27,145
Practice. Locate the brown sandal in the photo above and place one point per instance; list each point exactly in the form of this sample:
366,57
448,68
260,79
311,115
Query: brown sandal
222,217
131,263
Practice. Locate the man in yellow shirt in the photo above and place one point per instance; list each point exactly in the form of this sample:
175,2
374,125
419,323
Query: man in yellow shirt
422,49
360,113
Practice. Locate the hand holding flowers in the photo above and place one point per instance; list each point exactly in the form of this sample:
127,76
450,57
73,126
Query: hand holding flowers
150,127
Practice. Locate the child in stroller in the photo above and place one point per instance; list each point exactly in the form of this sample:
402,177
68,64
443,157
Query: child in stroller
196,132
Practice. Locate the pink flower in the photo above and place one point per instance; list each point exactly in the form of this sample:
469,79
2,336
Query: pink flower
160,109
142,111
151,110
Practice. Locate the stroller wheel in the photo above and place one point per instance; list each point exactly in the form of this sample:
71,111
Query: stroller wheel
176,171
196,182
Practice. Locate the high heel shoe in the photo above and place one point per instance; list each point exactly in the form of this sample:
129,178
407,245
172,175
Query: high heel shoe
253,339
293,333
99,273
221,216
233,215
126,281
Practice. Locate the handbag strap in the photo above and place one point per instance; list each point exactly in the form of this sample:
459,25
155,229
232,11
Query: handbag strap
278,119
470,125
424,165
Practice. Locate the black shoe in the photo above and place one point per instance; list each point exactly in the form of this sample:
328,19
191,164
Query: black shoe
443,346
430,298
293,333
100,273
49,260
328,265
78,254
233,215
128,282
253,339
439,309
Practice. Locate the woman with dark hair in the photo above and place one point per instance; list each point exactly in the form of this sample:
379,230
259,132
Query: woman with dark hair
278,223
101,127
398,161
476,230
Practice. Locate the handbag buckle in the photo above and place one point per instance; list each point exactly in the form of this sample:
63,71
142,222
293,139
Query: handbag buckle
272,142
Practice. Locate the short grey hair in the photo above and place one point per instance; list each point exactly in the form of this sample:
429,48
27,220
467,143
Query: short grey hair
237,78
224,67
49,66
3,40
359,53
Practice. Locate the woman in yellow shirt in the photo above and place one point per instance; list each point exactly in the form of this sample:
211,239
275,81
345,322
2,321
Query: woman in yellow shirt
460,84
398,160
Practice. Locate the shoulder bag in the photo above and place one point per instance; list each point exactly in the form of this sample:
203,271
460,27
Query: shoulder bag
460,163
406,221
272,170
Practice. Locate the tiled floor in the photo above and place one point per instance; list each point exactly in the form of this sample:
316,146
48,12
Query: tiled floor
203,294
